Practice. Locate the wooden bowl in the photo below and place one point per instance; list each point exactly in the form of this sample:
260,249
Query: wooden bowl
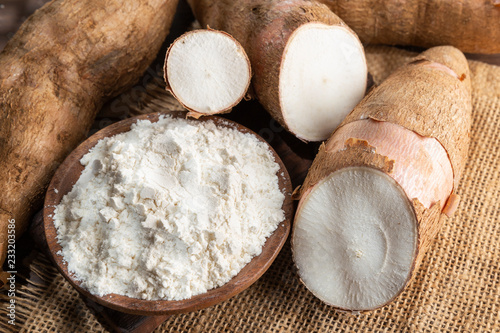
70,170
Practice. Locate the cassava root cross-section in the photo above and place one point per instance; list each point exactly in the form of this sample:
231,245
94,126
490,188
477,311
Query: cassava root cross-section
207,71
374,196
56,72
309,68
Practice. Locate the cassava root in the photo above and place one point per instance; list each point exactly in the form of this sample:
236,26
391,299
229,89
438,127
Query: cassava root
207,71
65,61
375,194
472,26
309,68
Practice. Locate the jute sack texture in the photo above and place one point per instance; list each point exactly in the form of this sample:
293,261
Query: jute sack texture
457,288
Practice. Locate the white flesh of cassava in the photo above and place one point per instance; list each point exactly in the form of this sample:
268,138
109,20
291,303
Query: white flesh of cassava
208,71
355,239
323,76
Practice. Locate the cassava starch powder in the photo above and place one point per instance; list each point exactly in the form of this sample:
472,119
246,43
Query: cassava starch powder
169,209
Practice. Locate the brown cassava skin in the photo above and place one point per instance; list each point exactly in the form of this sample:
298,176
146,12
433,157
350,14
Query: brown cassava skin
472,26
65,61
426,98
263,28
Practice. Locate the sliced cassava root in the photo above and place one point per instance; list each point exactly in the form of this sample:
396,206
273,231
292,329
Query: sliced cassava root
207,71
359,258
374,196
472,26
65,61
317,90
309,68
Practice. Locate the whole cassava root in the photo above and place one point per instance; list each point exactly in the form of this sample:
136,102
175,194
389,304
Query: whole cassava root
472,26
375,194
309,68
65,61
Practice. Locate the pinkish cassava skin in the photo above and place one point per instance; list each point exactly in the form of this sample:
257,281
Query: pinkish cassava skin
472,26
263,28
423,167
427,105
65,61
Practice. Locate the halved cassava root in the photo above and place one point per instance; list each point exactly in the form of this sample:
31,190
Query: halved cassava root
309,68
374,196
207,71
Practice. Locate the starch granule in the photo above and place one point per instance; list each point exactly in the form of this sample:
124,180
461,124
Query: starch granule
169,209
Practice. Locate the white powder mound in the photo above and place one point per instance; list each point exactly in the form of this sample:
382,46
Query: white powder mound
169,209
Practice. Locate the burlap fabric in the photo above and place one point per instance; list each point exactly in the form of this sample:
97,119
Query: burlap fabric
457,288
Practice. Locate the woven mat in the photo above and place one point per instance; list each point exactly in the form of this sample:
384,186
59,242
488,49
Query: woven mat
457,288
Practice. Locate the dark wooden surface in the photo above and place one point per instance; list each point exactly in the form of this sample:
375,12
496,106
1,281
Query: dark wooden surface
492,59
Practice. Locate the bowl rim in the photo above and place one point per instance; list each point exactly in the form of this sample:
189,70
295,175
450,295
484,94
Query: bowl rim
71,169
